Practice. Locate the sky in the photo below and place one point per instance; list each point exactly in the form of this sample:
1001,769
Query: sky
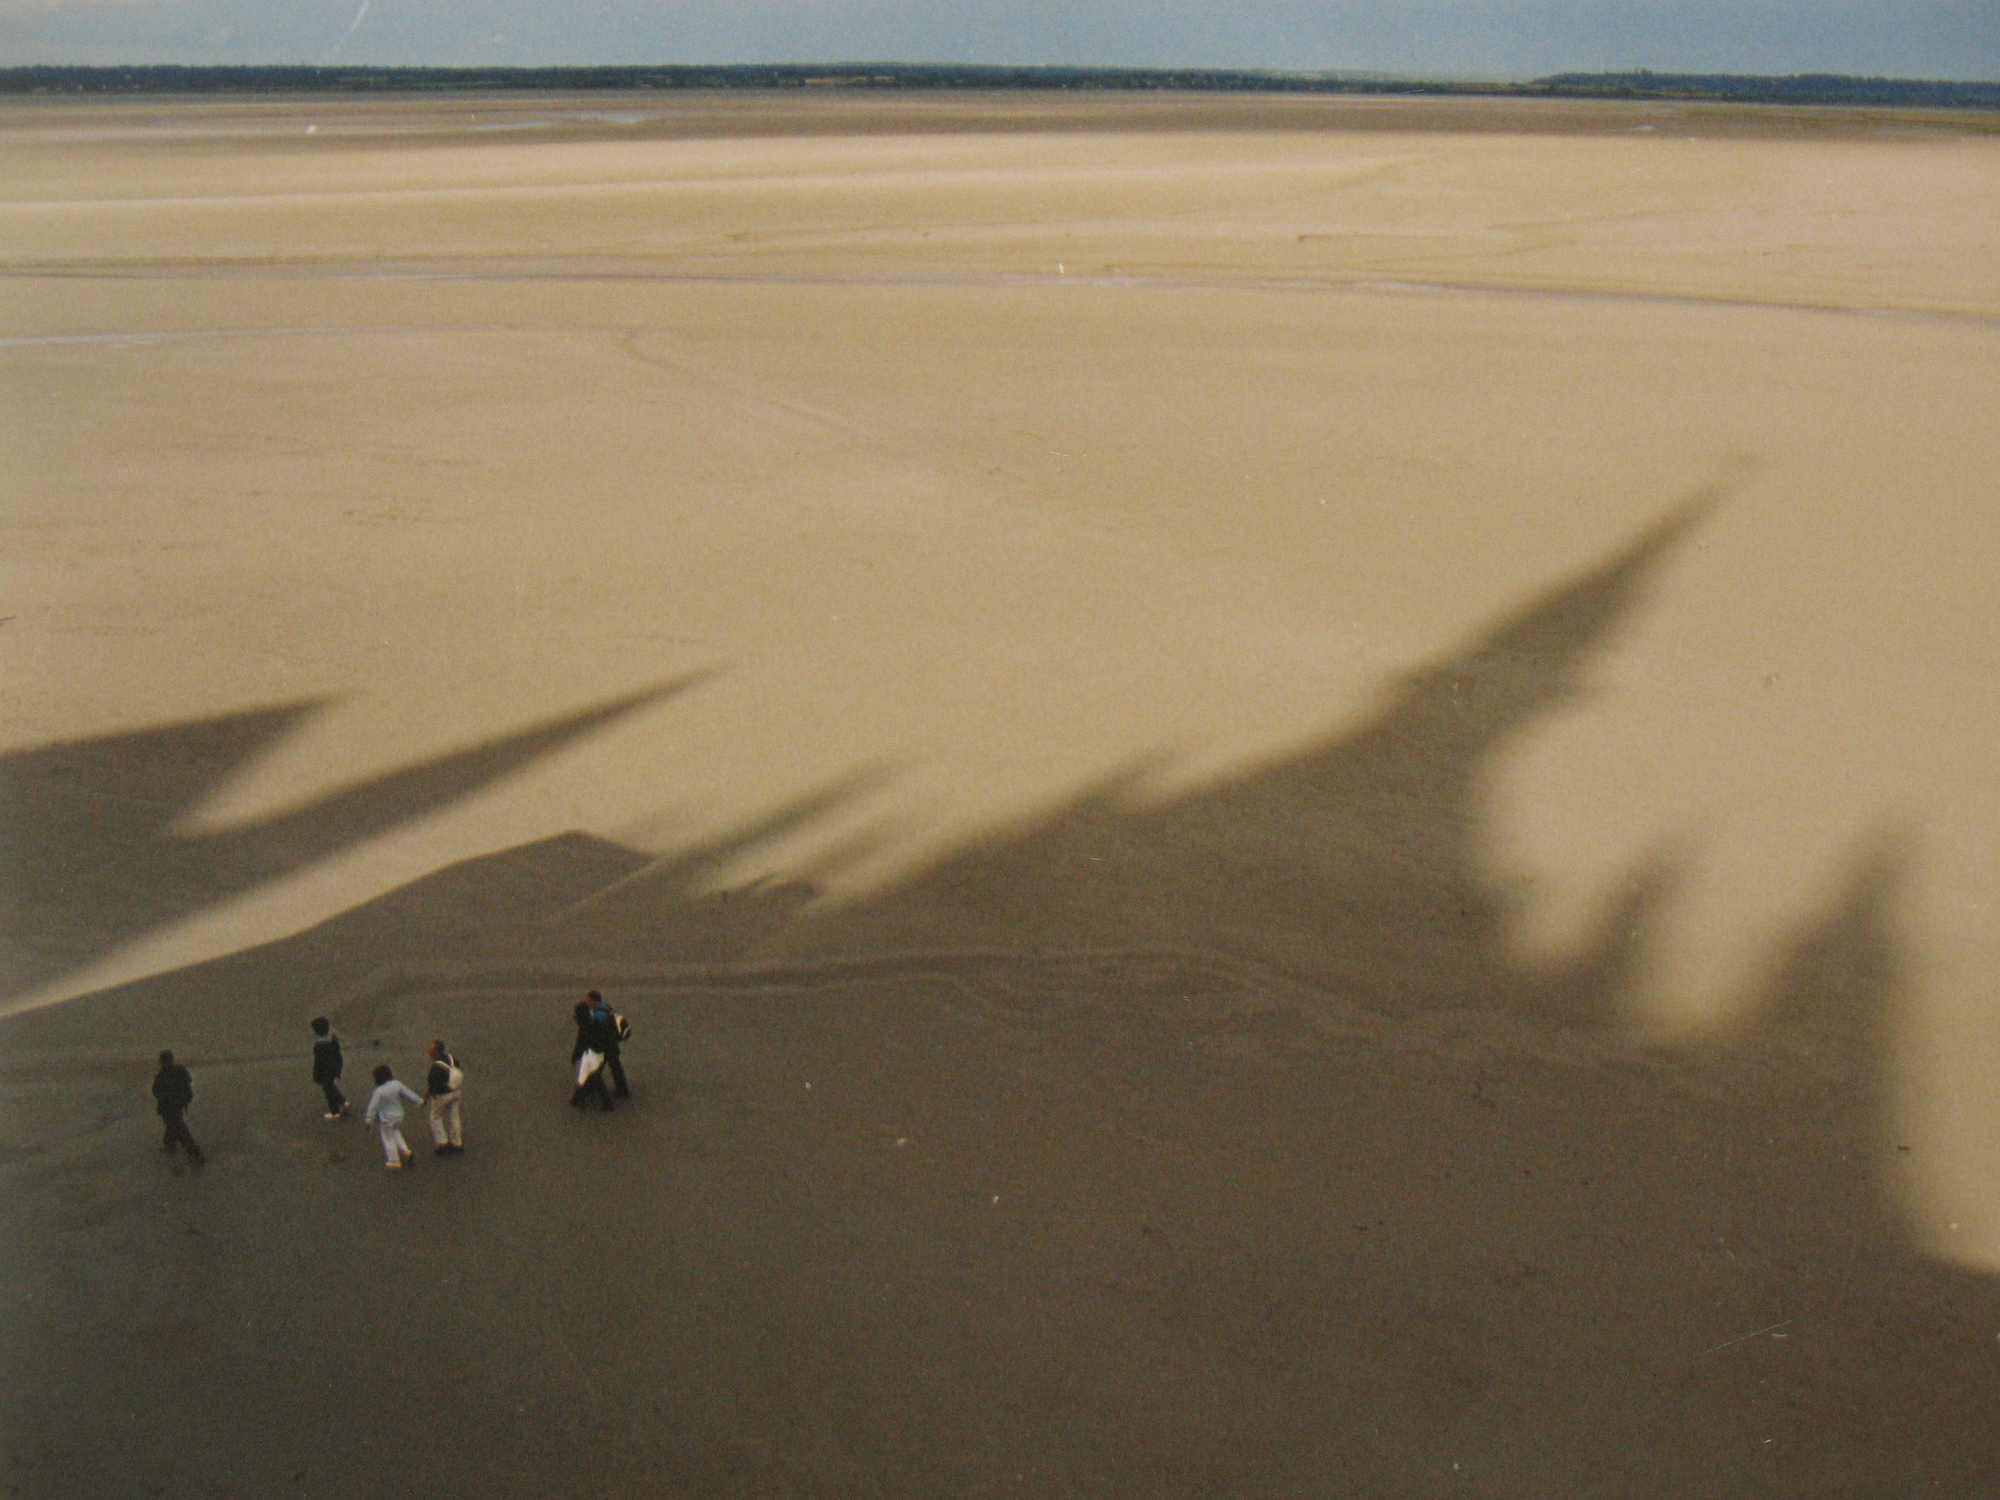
1957,39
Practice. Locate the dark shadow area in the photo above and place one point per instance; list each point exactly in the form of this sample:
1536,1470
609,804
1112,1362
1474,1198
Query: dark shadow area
90,857
1206,1145
1351,866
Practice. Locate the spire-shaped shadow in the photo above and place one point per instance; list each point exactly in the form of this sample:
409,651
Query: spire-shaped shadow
1379,1211
92,857
1353,863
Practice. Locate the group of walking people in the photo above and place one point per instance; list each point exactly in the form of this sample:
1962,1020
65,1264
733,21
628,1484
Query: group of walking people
444,1086
599,1032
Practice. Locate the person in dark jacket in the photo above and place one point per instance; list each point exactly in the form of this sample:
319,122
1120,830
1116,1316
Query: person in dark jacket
594,1038
327,1065
615,1031
173,1092
444,1086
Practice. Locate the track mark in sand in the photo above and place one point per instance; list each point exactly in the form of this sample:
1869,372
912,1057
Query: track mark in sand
1163,969
1745,1338
1217,994
1205,994
34,341
1005,280
631,342
634,343
166,336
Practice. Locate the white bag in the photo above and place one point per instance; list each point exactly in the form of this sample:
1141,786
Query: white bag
587,1064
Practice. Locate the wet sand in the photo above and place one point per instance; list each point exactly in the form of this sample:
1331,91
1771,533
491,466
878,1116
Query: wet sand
1292,796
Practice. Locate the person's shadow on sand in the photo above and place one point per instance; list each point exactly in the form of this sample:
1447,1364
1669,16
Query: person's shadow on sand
1214,1145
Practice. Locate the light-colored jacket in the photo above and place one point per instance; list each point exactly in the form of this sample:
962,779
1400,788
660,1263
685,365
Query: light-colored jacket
386,1103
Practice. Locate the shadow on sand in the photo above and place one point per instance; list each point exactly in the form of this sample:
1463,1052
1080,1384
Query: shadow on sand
1213,1145
93,857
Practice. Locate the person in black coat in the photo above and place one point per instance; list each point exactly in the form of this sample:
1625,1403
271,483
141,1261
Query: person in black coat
173,1092
615,1031
327,1064
595,1037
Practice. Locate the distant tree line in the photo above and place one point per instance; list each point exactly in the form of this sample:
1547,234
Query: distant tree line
301,78
1799,88
1805,88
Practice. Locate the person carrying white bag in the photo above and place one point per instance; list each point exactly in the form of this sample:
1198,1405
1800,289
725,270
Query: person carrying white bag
594,1039
443,1088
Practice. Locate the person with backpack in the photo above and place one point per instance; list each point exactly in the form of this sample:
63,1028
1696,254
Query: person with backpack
327,1064
615,1029
385,1112
595,1037
442,1088
173,1092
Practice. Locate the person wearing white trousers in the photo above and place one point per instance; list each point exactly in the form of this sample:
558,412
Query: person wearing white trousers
385,1112
442,1090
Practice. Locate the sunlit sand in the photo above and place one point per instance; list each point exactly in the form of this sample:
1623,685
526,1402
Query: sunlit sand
1221,677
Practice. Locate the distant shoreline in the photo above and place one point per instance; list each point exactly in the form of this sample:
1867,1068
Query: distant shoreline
1803,89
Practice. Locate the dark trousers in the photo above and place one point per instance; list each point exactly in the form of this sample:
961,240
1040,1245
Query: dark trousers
592,1087
177,1136
335,1100
617,1070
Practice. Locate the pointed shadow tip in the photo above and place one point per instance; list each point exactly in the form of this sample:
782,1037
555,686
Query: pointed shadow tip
609,709
1731,473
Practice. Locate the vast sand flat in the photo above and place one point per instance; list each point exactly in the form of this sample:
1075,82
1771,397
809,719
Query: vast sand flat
1293,796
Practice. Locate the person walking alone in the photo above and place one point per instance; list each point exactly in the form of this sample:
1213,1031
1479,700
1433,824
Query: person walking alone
593,1040
442,1087
327,1064
385,1113
173,1092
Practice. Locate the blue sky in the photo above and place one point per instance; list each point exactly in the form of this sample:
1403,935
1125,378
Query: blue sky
1488,38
